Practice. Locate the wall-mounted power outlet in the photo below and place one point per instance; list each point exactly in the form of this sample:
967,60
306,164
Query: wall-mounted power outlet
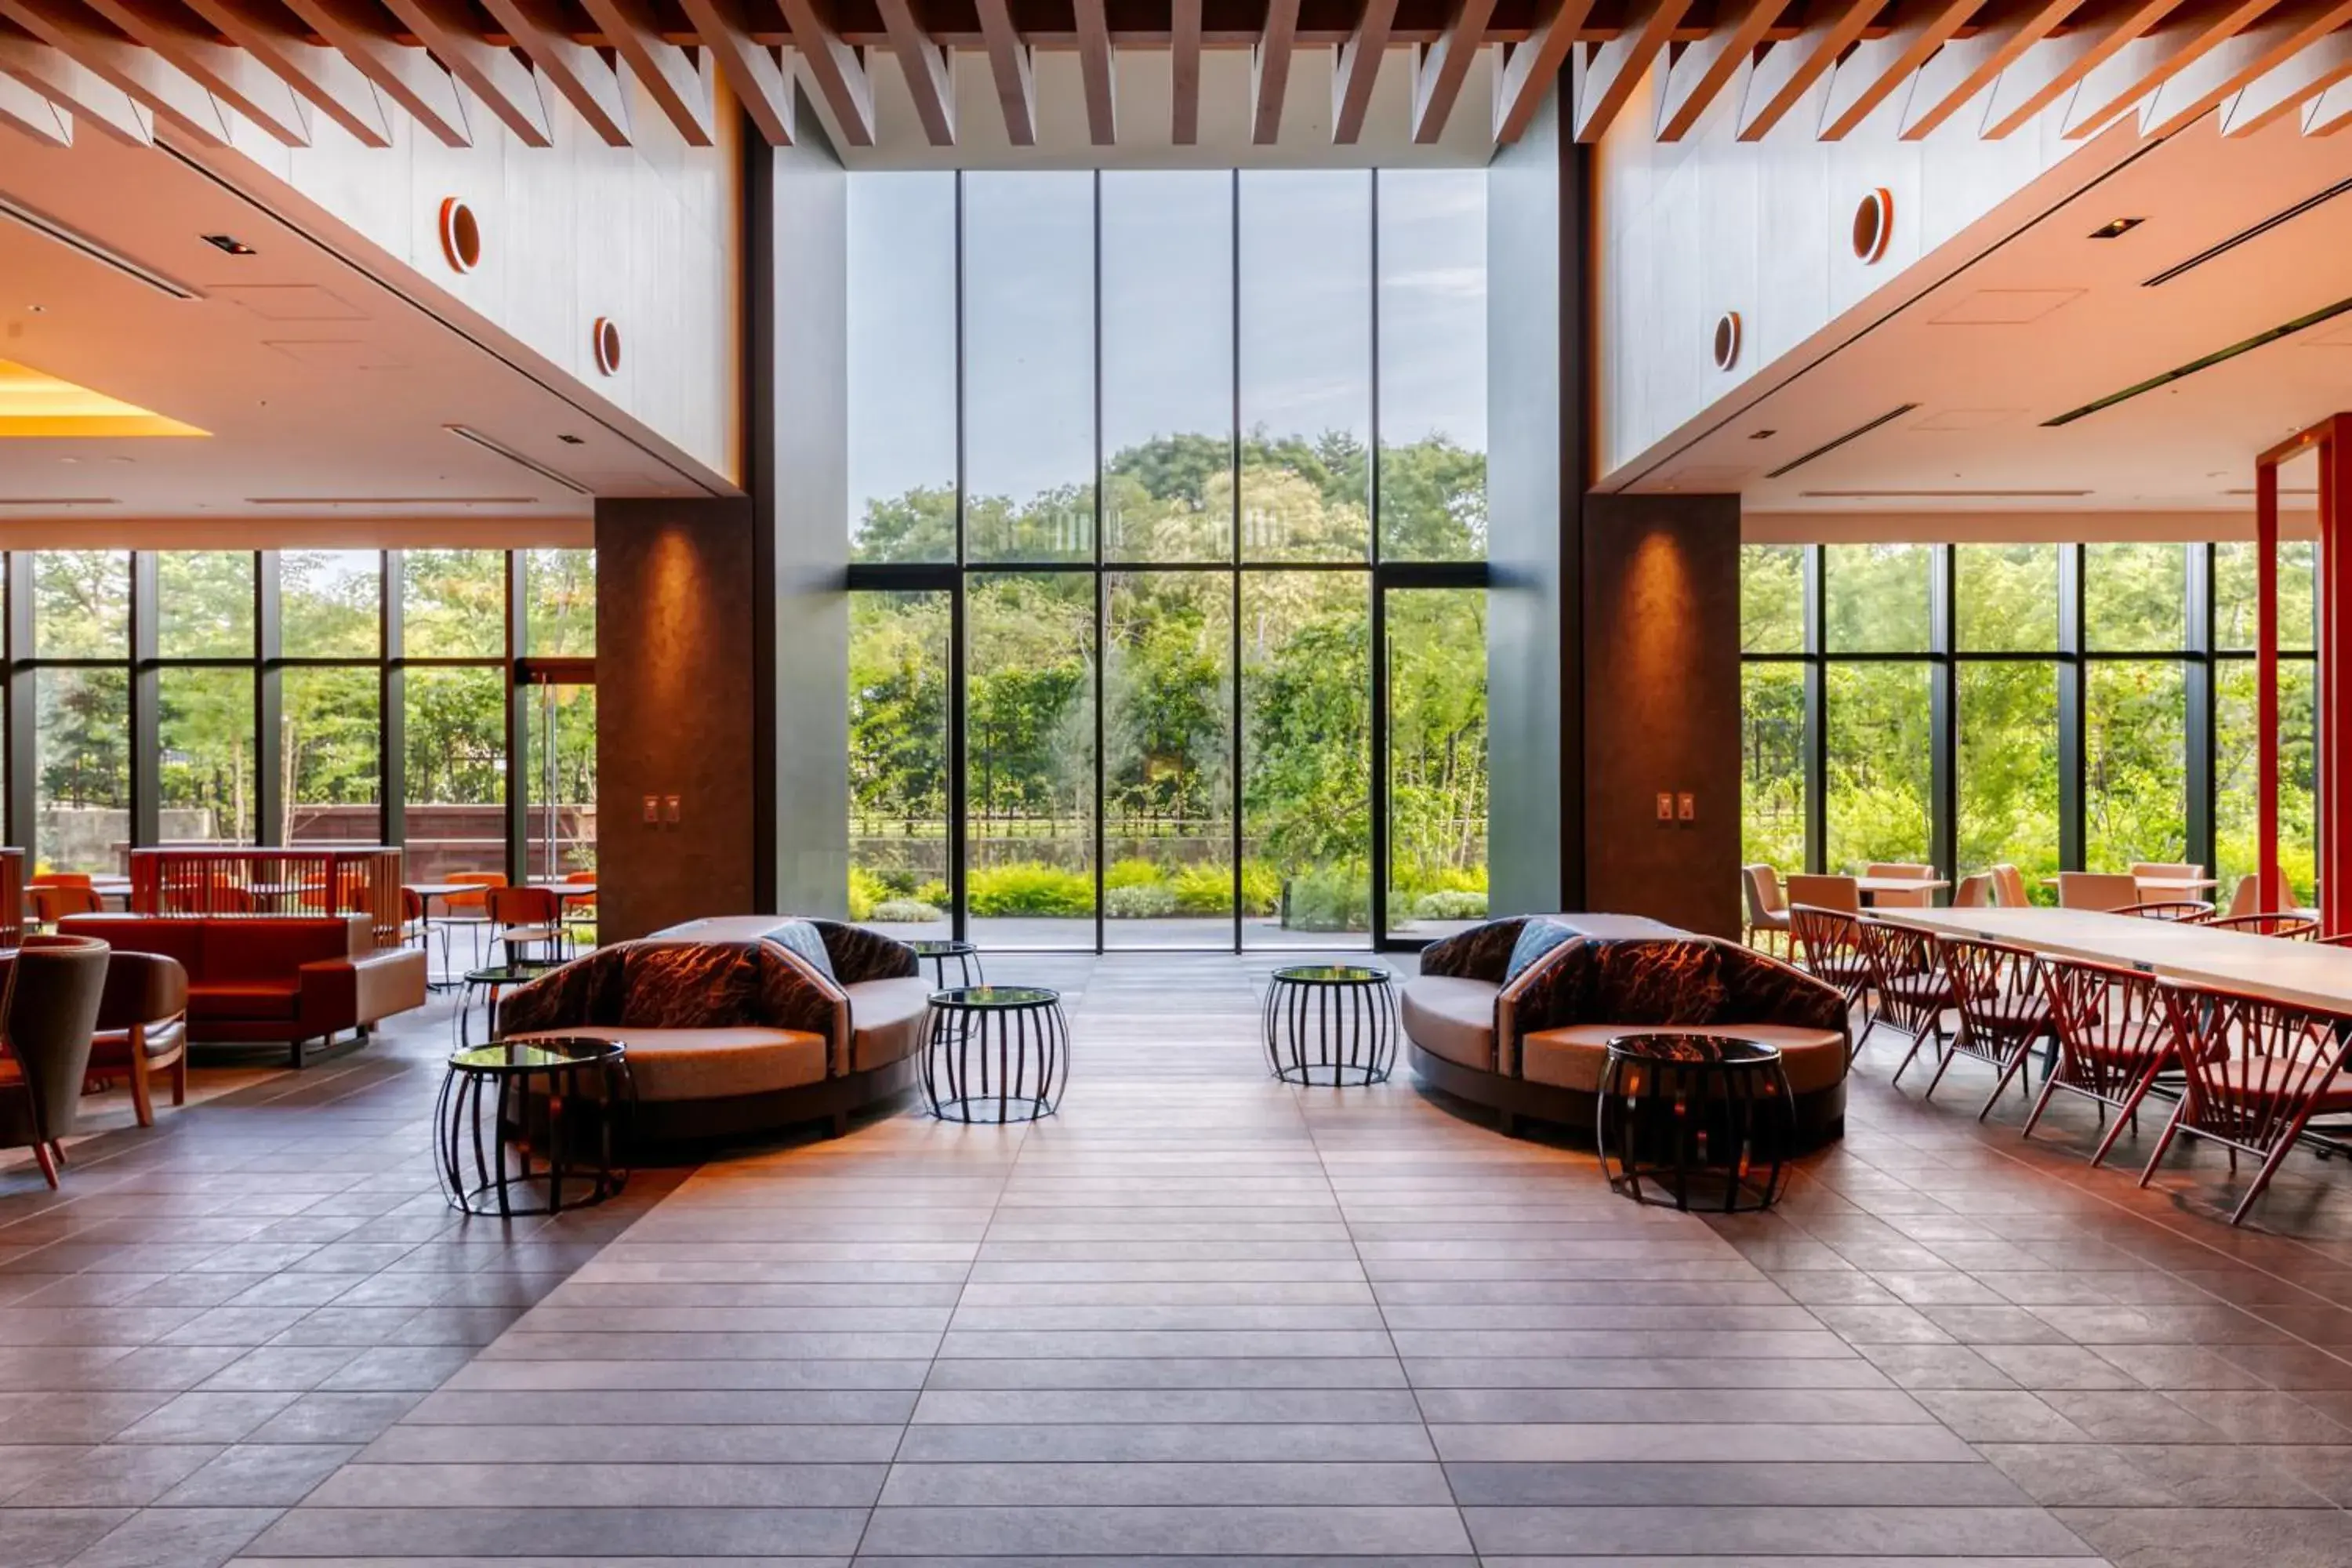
1665,807
653,809
1686,806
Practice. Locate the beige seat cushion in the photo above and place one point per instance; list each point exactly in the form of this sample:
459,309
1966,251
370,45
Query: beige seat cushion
712,1064
1451,1016
885,1020
1571,1058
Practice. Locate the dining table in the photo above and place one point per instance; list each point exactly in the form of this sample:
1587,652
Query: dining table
1873,887
2302,974
2159,888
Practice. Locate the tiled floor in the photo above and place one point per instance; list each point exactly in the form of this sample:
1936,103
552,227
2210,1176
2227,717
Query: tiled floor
1198,1314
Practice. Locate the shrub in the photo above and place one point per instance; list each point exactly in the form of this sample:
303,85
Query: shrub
1139,902
1450,905
1029,888
1330,898
1261,888
931,892
905,913
866,890
1132,873
1204,890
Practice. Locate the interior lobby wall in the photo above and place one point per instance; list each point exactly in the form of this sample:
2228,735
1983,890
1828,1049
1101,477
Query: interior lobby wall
1662,707
799,202
1693,229
1535,478
674,692
646,235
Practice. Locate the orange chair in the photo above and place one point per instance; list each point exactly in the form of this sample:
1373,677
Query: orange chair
143,1028
526,917
60,880
52,901
471,909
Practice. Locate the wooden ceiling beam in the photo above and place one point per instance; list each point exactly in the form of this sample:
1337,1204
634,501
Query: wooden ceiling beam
328,81
1705,68
231,75
2225,70
181,103
1440,68
1357,67
1528,69
2052,67
30,113
758,78
1095,72
1605,75
503,84
1015,69
925,65
401,72
833,66
1790,70
2132,73
1270,70
2289,86
75,91
2329,112
1964,68
1875,67
592,87
679,85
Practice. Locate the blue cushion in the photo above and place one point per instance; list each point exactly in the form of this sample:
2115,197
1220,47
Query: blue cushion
803,941
1535,938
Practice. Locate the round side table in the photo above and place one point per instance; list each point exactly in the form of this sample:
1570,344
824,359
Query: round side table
995,1052
489,982
1703,1116
537,1082
937,951
1331,1023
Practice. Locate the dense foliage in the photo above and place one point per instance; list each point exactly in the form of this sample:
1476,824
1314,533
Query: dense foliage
1168,667
1878,713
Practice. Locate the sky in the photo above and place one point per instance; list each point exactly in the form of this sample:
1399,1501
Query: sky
1167,322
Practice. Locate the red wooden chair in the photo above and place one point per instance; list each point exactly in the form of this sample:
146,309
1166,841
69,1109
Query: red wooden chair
2255,1073
2004,1009
1913,992
2294,927
2115,1038
1829,942
2192,910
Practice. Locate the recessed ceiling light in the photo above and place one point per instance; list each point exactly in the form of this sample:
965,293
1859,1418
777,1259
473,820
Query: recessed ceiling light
572,440
1763,434
229,243
2116,227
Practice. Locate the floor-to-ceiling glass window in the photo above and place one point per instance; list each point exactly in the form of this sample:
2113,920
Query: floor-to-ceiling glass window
236,697
2033,704
1168,527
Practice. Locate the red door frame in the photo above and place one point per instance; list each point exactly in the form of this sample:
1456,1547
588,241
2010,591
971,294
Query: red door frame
2331,441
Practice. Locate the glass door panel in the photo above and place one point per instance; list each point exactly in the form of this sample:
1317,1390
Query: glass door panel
1436,760
560,797
1168,879
1029,760
1306,774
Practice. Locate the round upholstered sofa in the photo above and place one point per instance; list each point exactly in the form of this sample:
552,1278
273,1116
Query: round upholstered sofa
1519,1019
742,1024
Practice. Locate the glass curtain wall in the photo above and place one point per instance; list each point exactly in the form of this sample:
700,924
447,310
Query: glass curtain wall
2044,705
1168,533
236,697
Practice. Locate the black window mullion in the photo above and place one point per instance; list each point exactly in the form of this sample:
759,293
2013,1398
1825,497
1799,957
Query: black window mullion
24,706
1102,583
960,650
392,695
145,685
1816,717
516,781
268,701
1234,759
1944,713
2199,733
2071,730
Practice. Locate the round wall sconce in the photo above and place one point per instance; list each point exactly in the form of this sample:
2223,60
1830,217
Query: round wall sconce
1873,225
1726,340
461,236
606,338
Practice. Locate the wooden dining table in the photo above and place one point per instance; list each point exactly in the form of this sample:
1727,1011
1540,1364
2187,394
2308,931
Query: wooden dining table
2301,973
1871,886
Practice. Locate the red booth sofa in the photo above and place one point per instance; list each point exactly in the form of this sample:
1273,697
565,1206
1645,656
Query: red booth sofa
294,978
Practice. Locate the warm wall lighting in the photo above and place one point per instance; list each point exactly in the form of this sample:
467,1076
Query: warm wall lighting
35,403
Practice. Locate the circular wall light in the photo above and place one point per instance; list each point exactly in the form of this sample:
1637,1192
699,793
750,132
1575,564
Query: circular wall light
606,338
1873,225
461,236
1726,340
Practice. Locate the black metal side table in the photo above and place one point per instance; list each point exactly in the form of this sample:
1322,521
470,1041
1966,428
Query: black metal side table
488,983
1331,1023
1694,1115
995,1052
937,951
540,1084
